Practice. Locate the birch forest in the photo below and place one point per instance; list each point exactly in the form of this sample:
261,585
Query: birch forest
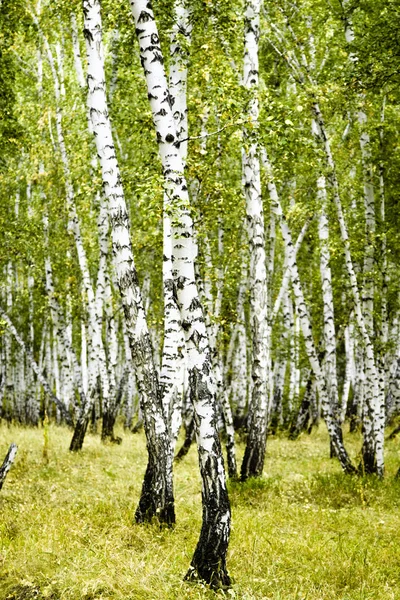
199,299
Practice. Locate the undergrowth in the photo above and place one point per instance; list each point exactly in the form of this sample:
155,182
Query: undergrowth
302,531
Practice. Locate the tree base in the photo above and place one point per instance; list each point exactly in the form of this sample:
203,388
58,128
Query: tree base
107,432
216,579
367,465
150,506
79,434
253,459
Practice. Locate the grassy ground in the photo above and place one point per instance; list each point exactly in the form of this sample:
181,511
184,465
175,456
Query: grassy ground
303,531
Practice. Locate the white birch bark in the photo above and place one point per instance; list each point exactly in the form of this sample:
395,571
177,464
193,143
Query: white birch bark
173,357
283,290
370,225
373,427
157,491
69,360
209,560
349,376
328,308
253,461
292,320
238,350
84,366
373,422
98,356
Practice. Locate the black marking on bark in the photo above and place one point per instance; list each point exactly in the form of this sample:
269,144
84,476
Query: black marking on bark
181,282
144,17
189,436
196,337
195,304
79,433
209,560
87,34
157,57
155,505
186,325
169,137
107,431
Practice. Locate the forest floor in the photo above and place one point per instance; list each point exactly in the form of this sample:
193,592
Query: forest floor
304,531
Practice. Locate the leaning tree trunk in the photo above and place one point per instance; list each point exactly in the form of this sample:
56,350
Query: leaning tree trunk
8,461
157,498
209,560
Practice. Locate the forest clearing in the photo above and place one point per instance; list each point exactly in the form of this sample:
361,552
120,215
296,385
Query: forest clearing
304,530
199,248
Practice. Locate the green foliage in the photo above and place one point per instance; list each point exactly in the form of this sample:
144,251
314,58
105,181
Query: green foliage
217,105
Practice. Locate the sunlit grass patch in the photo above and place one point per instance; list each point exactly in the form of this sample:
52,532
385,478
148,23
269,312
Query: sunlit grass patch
303,530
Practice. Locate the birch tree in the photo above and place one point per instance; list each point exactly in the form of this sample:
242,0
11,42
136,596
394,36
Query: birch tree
157,492
253,460
209,560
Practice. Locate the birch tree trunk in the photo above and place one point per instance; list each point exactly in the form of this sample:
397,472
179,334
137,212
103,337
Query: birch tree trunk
173,357
7,463
209,560
157,498
96,348
328,309
253,460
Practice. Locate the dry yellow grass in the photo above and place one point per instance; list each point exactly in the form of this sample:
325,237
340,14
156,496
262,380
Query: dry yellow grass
303,531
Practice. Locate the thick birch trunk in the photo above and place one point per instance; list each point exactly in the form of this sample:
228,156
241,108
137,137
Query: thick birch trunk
157,492
209,560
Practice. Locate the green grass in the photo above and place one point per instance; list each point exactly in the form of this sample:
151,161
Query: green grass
304,531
